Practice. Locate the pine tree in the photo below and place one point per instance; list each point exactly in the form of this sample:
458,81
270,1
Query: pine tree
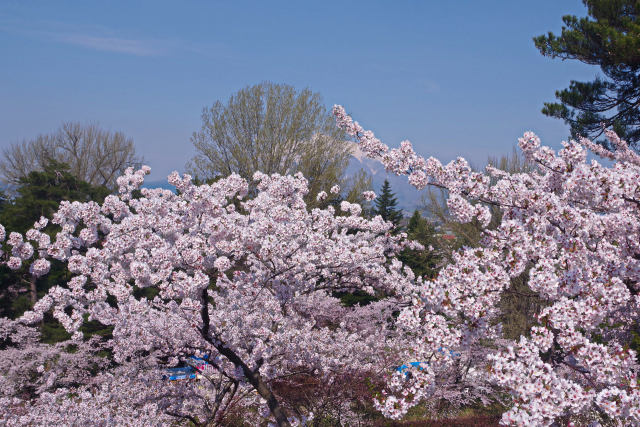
385,206
422,262
39,194
610,38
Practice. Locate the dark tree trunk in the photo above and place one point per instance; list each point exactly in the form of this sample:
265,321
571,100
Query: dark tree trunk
253,376
33,291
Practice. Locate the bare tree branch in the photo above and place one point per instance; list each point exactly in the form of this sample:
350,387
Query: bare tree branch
94,155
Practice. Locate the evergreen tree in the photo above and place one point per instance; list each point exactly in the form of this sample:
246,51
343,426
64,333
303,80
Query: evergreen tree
385,205
608,37
39,194
422,262
4,200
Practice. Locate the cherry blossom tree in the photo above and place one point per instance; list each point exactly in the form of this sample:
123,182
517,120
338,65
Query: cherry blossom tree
249,283
573,225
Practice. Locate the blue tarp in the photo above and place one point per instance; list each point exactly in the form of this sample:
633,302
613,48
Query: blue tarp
405,368
179,373
188,372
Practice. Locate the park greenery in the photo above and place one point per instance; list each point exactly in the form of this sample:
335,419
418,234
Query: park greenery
291,293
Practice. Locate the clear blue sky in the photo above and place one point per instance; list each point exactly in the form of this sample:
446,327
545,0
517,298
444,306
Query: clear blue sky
455,78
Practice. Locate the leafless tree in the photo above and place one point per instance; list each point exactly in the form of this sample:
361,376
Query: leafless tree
94,155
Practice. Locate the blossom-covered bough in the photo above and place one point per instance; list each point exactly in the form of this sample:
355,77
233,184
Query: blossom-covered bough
574,226
250,283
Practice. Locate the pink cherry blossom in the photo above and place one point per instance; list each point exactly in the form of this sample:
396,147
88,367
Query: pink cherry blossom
573,226
250,283
369,195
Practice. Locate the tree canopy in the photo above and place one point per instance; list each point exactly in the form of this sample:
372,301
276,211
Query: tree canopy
249,287
386,205
38,195
271,128
569,229
610,38
94,155
423,262
252,285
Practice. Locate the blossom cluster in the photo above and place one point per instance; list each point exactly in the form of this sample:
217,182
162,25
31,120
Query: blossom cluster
573,226
249,282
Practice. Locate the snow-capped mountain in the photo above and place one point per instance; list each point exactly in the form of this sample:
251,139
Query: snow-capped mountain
159,184
409,198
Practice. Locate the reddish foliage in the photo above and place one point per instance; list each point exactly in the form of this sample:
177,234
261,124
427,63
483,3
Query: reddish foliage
346,398
473,421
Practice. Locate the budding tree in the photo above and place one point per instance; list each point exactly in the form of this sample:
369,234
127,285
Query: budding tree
94,155
271,128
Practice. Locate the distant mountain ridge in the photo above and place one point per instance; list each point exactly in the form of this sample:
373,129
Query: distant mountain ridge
159,184
409,198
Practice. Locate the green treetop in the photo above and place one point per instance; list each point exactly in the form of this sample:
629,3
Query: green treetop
610,38
39,194
385,205
272,128
422,262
